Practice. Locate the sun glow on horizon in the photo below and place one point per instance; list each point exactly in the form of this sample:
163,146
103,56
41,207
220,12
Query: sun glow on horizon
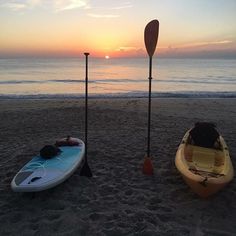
69,27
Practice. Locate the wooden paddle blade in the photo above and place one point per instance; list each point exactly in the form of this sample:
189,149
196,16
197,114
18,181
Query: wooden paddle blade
151,33
147,166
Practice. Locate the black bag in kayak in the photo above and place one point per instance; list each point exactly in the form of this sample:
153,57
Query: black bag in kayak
204,134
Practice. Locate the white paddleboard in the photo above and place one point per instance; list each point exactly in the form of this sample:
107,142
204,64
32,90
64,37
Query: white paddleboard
41,174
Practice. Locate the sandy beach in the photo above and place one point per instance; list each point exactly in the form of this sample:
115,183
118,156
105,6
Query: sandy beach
118,199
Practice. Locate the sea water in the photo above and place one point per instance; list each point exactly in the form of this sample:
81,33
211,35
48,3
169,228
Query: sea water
65,77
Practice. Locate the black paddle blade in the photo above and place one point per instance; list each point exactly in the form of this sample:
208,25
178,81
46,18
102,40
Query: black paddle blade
151,33
86,171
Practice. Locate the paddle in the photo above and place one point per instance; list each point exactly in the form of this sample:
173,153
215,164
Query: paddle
150,38
85,171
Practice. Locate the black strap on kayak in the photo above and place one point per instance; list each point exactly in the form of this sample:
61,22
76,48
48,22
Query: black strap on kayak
210,174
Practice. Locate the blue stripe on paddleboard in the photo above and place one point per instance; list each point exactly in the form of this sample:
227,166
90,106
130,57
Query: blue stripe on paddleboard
67,158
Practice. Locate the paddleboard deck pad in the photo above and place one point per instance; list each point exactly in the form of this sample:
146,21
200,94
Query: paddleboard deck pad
41,174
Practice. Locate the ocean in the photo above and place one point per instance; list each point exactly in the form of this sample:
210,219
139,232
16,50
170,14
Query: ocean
64,77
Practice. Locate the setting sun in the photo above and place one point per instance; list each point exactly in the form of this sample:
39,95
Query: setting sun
107,57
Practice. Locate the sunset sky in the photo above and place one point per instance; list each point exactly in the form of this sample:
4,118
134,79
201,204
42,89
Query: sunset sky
115,27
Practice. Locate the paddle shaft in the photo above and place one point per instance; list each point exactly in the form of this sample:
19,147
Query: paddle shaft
86,104
85,171
149,106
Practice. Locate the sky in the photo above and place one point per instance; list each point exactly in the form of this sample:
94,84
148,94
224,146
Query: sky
188,28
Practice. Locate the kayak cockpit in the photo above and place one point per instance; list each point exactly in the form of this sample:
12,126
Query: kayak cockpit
204,161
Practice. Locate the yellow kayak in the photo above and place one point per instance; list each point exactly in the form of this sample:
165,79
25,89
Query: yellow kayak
205,169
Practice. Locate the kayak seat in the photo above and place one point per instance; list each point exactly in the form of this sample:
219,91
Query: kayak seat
207,159
204,159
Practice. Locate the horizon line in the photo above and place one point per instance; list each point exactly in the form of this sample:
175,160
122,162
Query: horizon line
208,55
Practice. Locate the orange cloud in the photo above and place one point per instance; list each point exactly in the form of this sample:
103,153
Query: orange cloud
199,44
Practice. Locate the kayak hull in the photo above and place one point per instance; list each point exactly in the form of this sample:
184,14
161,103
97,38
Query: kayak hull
204,173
